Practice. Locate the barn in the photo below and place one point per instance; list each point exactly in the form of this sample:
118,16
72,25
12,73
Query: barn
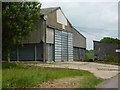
103,50
55,40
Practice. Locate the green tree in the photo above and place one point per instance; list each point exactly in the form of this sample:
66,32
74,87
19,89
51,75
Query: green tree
18,22
111,40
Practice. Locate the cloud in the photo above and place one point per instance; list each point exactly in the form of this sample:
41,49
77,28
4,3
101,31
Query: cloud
95,20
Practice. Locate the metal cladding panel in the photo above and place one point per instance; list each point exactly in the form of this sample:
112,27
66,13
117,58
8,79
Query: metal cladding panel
64,46
70,46
50,52
58,45
76,53
82,53
49,35
39,51
14,54
26,52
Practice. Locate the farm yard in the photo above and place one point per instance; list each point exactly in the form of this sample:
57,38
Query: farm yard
19,75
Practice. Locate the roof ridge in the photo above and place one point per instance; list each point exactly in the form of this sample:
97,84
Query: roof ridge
50,7
46,11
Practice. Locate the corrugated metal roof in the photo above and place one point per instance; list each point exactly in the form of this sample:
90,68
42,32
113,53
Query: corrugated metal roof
45,11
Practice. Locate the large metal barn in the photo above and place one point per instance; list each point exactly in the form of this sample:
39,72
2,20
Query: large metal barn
55,40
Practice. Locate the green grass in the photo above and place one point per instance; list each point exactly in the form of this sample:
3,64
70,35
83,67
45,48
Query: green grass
90,81
112,59
89,54
20,76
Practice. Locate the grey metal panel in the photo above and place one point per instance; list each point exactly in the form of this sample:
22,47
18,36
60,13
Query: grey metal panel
57,45
26,52
39,51
78,39
50,52
49,35
38,35
70,46
64,46
83,53
76,53
14,54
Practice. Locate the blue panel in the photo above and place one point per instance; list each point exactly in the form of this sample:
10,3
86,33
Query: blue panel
39,51
50,52
26,52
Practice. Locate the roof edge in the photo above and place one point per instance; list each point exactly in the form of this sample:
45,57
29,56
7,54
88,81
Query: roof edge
56,8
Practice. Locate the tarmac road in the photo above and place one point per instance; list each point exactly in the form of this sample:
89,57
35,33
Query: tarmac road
111,83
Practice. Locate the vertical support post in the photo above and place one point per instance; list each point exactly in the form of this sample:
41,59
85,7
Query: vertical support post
44,44
35,52
1,45
17,53
44,52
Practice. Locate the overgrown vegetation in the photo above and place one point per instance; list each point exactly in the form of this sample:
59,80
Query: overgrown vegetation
110,40
21,76
89,54
112,59
18,22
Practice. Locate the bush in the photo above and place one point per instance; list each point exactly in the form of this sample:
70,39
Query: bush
110,40
112,59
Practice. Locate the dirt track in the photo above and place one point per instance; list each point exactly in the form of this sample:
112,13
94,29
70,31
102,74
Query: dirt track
104,71
62,83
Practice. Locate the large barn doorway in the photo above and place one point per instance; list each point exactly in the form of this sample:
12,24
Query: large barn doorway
63,46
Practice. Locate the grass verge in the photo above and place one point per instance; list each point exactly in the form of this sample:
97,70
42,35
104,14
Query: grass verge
22,76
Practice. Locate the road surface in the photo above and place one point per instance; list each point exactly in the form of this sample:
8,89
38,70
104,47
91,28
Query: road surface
111,83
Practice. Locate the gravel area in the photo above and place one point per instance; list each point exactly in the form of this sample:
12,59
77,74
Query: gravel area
104,71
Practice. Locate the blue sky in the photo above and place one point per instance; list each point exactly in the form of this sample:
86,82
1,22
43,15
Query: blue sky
94,20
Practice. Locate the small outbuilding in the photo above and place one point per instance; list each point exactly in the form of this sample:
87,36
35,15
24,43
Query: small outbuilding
103,50
55,40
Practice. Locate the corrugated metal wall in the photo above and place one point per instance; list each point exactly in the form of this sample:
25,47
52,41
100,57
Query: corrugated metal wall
64,46
39,52
14,54
50,52
78,53
58,44
26,52
70,46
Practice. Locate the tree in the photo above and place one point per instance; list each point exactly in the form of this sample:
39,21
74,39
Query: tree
110,40
18,22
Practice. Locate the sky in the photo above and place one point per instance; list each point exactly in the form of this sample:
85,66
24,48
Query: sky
94,19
